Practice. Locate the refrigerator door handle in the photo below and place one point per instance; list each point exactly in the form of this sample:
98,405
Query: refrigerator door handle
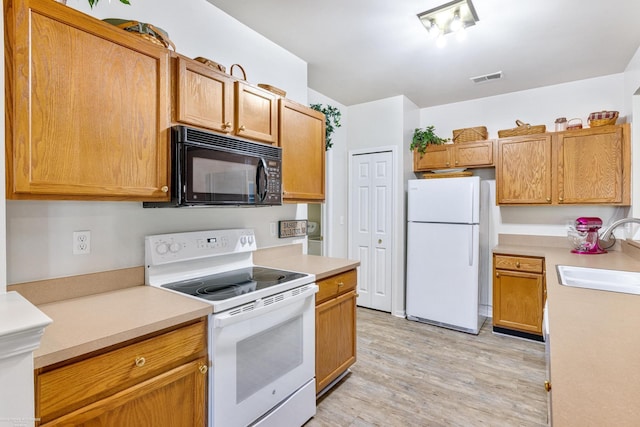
471,194
470,246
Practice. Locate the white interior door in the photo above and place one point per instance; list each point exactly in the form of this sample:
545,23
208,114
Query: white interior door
371,195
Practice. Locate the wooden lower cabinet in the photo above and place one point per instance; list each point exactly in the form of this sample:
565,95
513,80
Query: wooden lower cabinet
156,380
518,295
335,327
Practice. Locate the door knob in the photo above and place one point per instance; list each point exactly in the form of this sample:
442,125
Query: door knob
379,241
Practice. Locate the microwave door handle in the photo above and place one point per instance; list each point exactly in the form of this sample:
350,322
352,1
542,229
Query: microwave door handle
261,177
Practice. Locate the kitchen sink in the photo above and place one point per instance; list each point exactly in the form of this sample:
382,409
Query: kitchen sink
627,282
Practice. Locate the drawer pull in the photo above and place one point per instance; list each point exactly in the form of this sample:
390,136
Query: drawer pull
203,369
517,264
140,361
340,284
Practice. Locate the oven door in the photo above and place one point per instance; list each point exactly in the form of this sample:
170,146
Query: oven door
261,355
214,177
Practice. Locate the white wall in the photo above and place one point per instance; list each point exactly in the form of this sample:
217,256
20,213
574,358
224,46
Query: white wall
632,99
38,239
335,226
388,123
537,106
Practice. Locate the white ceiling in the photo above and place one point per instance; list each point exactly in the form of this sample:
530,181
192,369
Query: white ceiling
364,50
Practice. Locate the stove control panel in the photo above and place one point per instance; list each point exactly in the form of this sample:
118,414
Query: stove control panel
169,248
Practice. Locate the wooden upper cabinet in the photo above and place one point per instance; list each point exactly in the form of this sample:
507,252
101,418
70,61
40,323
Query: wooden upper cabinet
473,154
435,157
256,113
87,107
588,166
523,174
302,138
447,156
593,166
204,97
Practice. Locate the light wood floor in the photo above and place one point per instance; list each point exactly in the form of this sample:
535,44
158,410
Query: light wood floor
414,374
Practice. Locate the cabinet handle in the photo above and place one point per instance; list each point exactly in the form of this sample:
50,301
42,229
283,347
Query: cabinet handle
456,163
561,198
226,125
340,284
548,199
547,385
241,128
517,264
165,189
447,163
497,274
140,361
203,369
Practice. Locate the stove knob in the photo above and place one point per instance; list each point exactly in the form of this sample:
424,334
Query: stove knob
174,247
162,248
243,240
251,240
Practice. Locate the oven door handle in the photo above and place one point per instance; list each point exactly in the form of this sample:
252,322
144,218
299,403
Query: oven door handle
232,316
262,178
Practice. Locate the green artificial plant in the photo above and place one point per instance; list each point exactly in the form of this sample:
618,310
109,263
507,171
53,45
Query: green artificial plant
422,138
332,117
95,2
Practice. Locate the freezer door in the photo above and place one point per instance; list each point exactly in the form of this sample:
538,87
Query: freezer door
455,200
442,274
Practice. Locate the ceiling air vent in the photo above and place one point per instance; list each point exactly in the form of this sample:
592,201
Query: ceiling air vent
487,77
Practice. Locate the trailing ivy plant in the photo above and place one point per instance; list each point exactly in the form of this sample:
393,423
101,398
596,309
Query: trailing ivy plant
95,2
332,117
422,138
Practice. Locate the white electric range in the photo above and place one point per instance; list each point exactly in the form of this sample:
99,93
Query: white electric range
261,332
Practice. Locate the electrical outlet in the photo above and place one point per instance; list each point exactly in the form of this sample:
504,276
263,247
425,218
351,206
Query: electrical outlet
81,242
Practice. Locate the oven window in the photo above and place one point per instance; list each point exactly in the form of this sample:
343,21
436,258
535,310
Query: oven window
263,358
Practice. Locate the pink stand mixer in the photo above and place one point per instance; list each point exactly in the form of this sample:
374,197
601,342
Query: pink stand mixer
584,236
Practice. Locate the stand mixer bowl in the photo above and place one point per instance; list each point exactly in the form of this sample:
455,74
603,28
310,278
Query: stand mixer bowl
584,236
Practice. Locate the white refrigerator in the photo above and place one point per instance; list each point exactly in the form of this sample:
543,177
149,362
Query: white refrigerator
447,218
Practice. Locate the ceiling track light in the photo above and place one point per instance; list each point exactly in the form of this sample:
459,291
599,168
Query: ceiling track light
450,17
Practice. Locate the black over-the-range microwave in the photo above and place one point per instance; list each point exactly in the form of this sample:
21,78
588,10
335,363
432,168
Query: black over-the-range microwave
209,169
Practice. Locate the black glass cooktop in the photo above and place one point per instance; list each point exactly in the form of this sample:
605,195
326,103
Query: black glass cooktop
226,285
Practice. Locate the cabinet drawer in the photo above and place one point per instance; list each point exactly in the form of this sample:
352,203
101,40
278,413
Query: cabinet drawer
517,263
69,387
336,285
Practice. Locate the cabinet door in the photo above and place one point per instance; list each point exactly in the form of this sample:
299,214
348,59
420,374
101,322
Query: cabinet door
89,111
475,154
256,113
436,157
174,398
523,174
204,97
335,338
518,300
593,166
302,138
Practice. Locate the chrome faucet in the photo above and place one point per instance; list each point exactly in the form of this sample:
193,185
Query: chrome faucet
608,232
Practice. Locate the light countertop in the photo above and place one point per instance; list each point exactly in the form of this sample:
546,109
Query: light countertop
291,258
85,324
595,341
